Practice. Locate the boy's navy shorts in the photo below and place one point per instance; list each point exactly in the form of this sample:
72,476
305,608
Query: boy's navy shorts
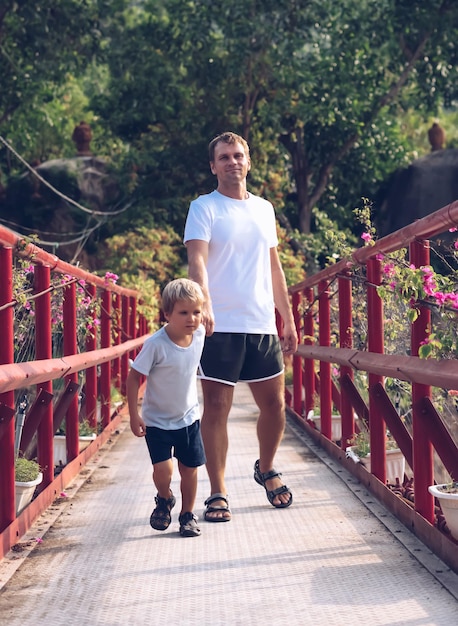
186,443
230,357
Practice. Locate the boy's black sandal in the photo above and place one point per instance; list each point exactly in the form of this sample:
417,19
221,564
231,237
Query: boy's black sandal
188,525
160,518
261,479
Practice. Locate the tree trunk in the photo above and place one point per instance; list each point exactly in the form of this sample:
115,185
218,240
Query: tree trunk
295,144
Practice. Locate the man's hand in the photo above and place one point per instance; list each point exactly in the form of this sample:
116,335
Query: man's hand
289,340
208,319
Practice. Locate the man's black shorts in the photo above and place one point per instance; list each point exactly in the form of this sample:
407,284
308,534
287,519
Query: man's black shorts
230,357
186,444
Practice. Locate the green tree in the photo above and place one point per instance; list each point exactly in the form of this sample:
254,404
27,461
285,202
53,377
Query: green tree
312,85
44,46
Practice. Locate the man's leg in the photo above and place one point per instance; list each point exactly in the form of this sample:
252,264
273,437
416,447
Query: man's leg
217,404
269,397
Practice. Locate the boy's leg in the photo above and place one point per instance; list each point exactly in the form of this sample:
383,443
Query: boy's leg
187,519
165,501
188,487
162,477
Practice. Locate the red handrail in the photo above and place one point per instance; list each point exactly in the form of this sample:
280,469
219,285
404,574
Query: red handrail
428,431
70,386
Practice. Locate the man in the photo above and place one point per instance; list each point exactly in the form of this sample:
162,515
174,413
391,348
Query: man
231,241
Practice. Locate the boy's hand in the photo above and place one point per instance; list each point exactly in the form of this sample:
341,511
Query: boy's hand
137,426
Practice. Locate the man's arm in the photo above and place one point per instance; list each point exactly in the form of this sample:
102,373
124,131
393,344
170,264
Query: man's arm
197,271
282,303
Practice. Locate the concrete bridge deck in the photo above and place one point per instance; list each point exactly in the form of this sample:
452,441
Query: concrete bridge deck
335,557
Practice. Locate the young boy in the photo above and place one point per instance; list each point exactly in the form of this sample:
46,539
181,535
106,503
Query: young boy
170,411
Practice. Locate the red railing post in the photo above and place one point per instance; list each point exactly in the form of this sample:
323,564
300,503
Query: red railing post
105,368
116,363
297,361
90,390
375,324
423,461
309,365
71,347
7,488
125,312
43,349
324,307
133,322
346,341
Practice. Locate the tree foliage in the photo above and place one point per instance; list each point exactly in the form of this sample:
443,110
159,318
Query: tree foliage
314,86
319,88
46,48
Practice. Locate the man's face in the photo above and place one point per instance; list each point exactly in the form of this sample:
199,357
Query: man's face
231,164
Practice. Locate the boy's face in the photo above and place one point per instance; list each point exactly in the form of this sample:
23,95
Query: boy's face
185,317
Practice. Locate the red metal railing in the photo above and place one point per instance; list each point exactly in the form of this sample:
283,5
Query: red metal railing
66,382
311,378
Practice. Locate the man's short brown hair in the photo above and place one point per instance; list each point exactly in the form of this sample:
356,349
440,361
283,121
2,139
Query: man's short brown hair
230,138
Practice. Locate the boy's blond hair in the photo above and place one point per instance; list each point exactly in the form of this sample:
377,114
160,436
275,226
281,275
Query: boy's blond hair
180,289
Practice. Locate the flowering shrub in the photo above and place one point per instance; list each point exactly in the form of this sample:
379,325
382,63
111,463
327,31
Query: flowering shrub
87,311
404,290
413,287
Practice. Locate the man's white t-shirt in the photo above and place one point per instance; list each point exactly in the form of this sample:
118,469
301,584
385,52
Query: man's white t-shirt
240,234
170,400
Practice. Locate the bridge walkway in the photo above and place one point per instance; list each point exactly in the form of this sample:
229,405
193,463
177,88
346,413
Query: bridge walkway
335,557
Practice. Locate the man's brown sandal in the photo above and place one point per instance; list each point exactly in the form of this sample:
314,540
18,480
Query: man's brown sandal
261,479
160,518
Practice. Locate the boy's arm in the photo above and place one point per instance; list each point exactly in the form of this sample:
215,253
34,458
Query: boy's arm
137,425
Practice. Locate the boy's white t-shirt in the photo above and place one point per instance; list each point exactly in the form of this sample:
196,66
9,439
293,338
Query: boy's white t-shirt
240,234
170,400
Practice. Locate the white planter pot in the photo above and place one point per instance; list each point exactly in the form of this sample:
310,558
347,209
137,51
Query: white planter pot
25,491
336,426
449,506
395,463
60,447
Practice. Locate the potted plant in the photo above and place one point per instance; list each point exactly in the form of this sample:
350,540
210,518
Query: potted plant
447,496
86,434
336,424
359,451
27,475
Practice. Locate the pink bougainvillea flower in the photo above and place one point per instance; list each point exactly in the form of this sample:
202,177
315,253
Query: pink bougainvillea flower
453,229
452,299
109,276
455,245
389,269
366,237
63,495
38,539
379,256
440,297
453,392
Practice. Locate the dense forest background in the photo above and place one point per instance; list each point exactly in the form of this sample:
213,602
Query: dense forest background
332,95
